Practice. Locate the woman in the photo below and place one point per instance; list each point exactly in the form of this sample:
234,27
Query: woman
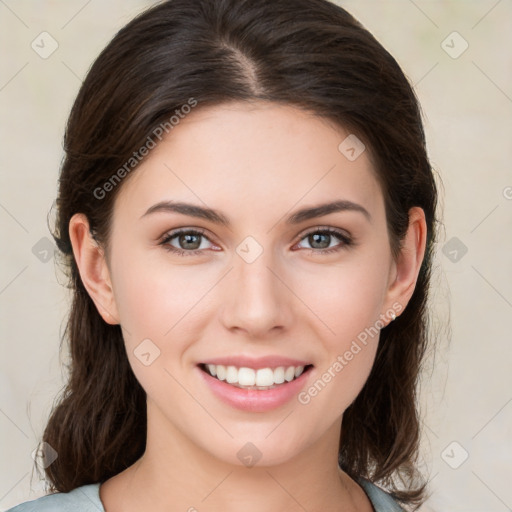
252,369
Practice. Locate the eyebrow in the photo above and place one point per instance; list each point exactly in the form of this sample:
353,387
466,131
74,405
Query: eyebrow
218,218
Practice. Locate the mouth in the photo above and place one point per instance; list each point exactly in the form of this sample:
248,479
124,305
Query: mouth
260,379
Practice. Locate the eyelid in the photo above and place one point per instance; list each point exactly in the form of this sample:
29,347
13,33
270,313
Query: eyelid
315,229
300,236
346,239
172,232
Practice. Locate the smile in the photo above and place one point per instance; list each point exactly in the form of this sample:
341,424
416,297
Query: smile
254,390
250,378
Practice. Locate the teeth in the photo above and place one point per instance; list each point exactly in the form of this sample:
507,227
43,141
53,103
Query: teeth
261,378
221,372
246,377
264,377
279,375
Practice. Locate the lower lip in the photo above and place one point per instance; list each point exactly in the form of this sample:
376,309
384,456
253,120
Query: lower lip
254,400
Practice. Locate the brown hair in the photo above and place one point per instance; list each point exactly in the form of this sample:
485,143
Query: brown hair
310,54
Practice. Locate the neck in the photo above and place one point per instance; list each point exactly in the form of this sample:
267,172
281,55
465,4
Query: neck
174,474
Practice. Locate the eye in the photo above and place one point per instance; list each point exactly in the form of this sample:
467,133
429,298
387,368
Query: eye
323,237
190,239
191,243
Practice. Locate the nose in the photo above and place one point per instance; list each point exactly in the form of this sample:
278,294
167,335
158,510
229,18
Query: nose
258,302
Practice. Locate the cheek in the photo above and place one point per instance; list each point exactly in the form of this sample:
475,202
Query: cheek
346,298
336,384
153,296
165,304
348,302
156,307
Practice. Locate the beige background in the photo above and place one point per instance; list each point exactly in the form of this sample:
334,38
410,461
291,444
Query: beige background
467,101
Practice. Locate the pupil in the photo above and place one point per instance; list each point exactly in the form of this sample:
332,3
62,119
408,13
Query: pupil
187,240
316,236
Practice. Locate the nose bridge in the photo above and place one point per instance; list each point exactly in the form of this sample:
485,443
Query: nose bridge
258,297
253,274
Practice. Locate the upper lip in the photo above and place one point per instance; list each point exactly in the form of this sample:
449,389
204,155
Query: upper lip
256,362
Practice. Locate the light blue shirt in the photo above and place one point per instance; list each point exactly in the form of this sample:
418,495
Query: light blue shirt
87,499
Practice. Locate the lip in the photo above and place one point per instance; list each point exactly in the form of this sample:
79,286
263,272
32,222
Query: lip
253,400
256,362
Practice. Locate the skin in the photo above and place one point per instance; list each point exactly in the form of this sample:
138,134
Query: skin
256,163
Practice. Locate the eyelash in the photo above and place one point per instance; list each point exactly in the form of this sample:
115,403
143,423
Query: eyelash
345,239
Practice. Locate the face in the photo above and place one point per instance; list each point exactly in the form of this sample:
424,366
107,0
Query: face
266,282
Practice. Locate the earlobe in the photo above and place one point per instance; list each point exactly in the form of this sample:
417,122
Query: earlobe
409,261
93,268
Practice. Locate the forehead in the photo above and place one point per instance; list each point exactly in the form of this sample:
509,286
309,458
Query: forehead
252,157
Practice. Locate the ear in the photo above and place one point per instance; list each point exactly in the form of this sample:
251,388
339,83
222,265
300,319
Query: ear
404,272
93,268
